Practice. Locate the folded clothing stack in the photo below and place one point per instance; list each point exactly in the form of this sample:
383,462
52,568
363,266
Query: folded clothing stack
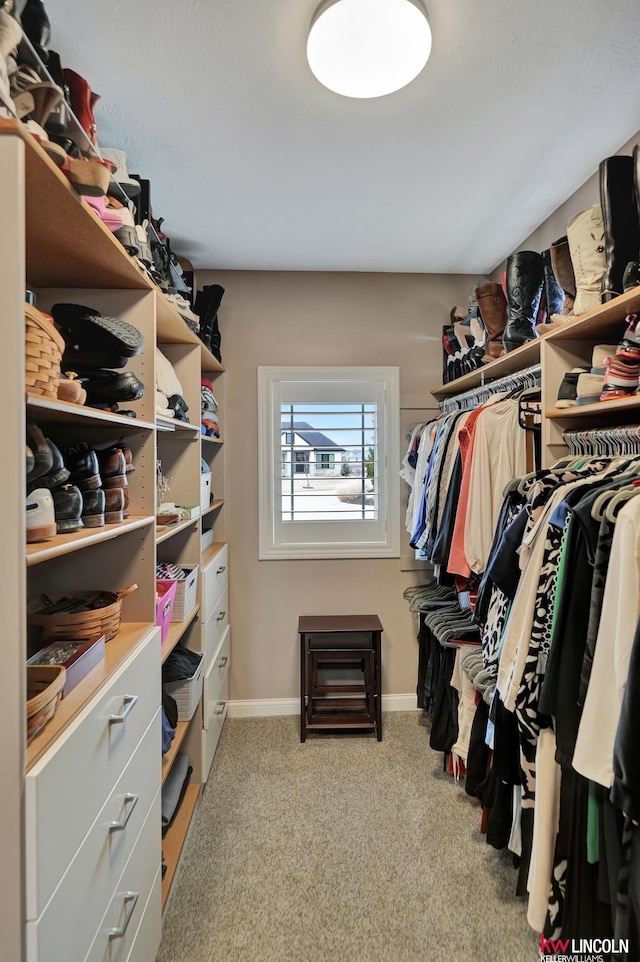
170,400
208,409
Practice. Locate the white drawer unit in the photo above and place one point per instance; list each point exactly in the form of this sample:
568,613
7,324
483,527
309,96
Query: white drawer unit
215,578
130,903
211,735
68,924
67,788
147,940
214,680
215,628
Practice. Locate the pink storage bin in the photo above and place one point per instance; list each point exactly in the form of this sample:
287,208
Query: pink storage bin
166,596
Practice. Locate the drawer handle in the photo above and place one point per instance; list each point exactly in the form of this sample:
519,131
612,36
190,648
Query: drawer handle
130,900
221,569
130,802
220,707
130,702
223,661
221,616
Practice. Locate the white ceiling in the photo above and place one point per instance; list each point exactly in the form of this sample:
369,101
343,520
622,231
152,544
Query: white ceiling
254,165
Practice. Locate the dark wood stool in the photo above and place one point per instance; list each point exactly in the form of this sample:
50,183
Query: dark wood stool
329,641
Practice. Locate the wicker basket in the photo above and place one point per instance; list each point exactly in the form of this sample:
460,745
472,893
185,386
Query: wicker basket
43,353
44,692
104,620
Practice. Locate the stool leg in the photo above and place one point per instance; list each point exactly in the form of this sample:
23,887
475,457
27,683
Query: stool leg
377,658
303,687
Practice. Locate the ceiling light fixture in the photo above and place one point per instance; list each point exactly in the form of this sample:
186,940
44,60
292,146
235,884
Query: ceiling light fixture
368,48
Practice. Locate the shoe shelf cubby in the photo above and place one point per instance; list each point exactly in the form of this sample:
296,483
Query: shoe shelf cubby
43,410
604,321
606,410
64,544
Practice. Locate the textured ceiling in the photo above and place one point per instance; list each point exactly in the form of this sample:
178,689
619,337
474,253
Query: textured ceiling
254,165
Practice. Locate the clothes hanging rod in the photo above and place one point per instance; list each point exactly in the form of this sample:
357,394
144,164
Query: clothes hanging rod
509,382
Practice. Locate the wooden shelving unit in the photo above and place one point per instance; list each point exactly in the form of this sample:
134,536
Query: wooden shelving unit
174,529
168,759
175,838
64,544
601,409
43,410
214,506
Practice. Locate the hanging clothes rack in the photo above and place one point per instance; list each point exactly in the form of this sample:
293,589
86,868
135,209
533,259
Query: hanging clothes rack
529,377
604,442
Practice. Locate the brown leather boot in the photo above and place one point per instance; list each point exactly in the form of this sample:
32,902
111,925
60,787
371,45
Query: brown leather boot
493,310
563,270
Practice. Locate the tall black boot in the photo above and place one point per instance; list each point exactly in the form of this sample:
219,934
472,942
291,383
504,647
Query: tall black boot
206,307
525,279
631,276
620,216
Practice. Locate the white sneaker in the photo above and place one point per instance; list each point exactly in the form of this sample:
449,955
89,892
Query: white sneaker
41,516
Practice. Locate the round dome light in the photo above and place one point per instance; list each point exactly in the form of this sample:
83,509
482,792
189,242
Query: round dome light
368,48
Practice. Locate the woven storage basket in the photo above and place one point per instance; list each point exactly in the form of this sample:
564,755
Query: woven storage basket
187,692
44,692
43,353
101,621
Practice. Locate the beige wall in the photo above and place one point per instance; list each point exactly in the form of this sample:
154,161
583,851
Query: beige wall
316,318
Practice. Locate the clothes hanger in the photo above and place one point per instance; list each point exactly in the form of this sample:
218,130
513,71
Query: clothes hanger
618,500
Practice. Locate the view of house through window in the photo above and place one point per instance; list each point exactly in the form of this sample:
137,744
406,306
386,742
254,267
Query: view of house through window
329,462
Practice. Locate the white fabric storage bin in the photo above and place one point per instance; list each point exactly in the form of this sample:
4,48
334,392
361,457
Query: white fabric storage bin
187,692
186,592
205,490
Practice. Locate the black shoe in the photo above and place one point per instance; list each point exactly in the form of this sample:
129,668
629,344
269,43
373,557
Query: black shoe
56,475
206,307
82,462
86,329
178,405
525,280
93,508
67,502
107,387
41,452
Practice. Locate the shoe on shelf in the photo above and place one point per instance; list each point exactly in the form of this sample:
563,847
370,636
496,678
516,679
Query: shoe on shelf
111,216
41,516
70,388
41,452
599,356
567,392
621,378
629,346
113,467
29,459
84,466
589,389
114,505
127,185
68,504
57,474
107,388
93,508
88,328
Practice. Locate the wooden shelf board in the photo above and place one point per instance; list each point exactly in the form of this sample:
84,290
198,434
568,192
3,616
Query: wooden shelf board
64,544
209,440
67,245
174,529
594,323
210,552
165,424
213,506
590,326
170,326
176,631
208,362
514,361
174,840
46,410
601,409
116,650
167,760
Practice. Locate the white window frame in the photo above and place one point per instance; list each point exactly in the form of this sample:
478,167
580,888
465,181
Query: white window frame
326,539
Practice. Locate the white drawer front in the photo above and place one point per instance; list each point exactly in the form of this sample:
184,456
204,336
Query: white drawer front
215,578
147,940
211,735
67,788
215,679
215,628
69,923
131,901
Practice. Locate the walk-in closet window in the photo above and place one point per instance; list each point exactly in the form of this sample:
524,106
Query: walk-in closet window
327,439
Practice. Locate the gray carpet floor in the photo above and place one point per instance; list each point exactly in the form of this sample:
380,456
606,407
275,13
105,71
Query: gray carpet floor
341,849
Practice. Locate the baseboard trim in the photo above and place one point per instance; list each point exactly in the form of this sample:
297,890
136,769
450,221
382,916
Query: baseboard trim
262,708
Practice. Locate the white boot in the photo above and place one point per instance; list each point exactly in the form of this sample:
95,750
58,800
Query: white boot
585,233
41,516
